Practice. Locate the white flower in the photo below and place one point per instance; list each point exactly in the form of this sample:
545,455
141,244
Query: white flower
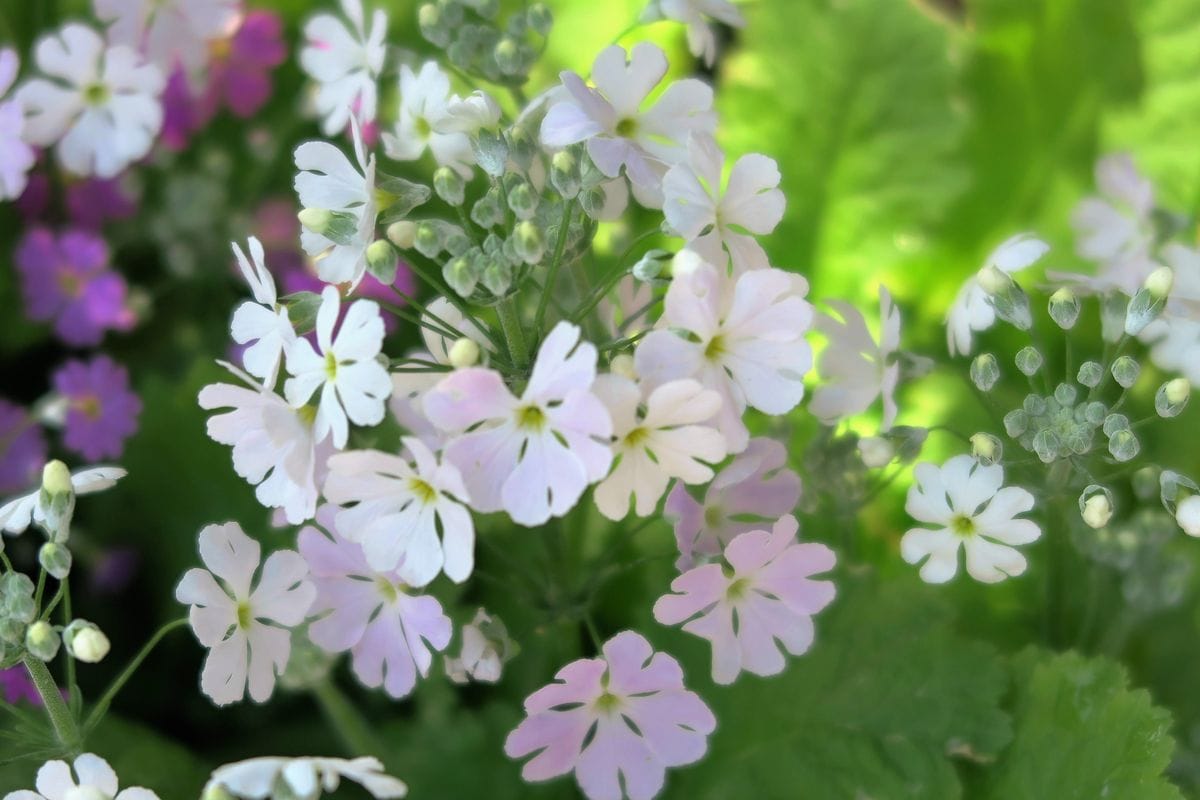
245,627
745,340
99,103
168,31
19,513
477,111
485,648
971,510
327,180
273,444
346,62
425,121
1183,301
1187,514
669,439
855,370
264,322
304,778
1116,226
695,14
96,781
712,221
16,156
353,383
972,311
1175,346
618,132
399,512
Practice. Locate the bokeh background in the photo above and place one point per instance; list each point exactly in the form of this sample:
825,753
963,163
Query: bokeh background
913,136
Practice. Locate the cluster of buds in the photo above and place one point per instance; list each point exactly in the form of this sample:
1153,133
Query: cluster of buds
479,44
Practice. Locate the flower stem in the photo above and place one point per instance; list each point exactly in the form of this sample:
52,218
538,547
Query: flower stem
110,694
510,321
552,275
60,716
349,724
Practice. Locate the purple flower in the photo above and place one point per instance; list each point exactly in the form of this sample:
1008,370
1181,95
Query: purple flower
66,279
766,600
625,716
93,201
34,201
755,488
388,631
16,685
239,75
101,410
181,117
22,449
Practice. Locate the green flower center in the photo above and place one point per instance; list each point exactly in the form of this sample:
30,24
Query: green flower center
713,517
424,129
715,348
607,703
636,437
422,490
307,414
96,94
962,525
738,589
531,418
331,366
387,590
244,617
627,128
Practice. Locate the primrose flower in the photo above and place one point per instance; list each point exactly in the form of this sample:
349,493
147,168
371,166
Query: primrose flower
22,448
306,778
88,777
485,648
239,73
262,324
617,722
668,440
91,202
617,131
168,32
970,510
399,511
388,631
353,384
696,14
746,340
274,447
99,103
102,412
424,114
244,626
768,599
753,490
16,156
345,61
972,310
533,456
66,279
39,506
712,221
1116,226
855,370
328,181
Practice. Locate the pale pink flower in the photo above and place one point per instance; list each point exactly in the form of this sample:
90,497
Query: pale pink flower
532,456
1117,225
388,630
854,368
399,510
768,597
617,722
245,627
745,340
748,494
662,438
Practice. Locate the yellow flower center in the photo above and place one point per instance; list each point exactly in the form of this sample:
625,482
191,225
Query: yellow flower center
962,525
531,418
422,490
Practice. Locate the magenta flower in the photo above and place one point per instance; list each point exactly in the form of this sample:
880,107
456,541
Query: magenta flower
16,685
624,717
102,412
239,74
755,488
768,599
66,279
181,117
22,449
91,202
388,631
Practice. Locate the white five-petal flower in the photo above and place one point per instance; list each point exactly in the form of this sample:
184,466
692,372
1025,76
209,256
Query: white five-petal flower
168,32
263,321
346,62
855,370
353,384
965,502
307,777
16,156
245,627
425,121
19,513
99,103
971,310
93,779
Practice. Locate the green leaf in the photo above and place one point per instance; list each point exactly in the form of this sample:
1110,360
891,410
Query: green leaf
881,706
1081,732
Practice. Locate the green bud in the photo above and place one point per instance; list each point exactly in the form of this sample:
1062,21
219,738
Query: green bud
497,278
55,559
1029,361
564,174
622,364
1123,445
85,641
430,21
523,201
463,353
488,211
42,641
339,227
402,233
302,310
1125,371
528,242
1064,308
986,448
1095,506
985,371
56,500
461,275
215,791
1066,394
1047,445
540,19
1016,422
449,185
1090,374
382,261
428,239
508,56
593,201
1034,405
1172,397
56,478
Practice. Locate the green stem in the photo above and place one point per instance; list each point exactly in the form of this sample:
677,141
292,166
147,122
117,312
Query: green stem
349,724
60,716
510,322
555,265
110,694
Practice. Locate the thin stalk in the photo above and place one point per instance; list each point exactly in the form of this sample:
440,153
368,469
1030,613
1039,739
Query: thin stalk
555,265
347,722
514,336
60,716
115,687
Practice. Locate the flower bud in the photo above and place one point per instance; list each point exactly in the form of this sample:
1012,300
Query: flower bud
1159,282
540,19
85,642
1095,506
1125,371
449,186
622,364
985,372
652,265
876,451
55,559
993,280
1124,445
1114,423
1065,394
528,242
56,500
1047,445
462,275
986,448
215,791
339,227
508,56
1064,308
1187,514
497,277
382,260
315,219
42,641
429,18
1029,361
402,233
428,239
1016,422
463,353
1090,374
56,478
523,201
1172,397
564,174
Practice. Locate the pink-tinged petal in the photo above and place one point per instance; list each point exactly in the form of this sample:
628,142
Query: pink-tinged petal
990,562
467,397
717,627
382,658
617,756
458,540
941,548
577,682
556,739
283,595
694,299
352,604
486,458
787,577
231,555
564,364
663,356
583,421
761,621
425,627
548,481
752,198
223,678
750,550
634,667
626,84
696,590
676,725
567,123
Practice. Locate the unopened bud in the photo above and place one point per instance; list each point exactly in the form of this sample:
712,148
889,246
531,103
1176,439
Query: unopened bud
55,559
56,500
1159,282
1187,514
1125,371
1177,391
985,372
429,18
540,19
508,56
215,791
497,277
462,275
876,451
622,364
564,174
42,641
1064,308
528,242
1095,507
1090,374
56,478
463,353
428,239
382,260
993,280
85,642
315,219
402,233
986,448
1029,361
449,186
1123,445
523,201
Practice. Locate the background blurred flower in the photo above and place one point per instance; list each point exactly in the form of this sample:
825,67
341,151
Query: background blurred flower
102,411
22,449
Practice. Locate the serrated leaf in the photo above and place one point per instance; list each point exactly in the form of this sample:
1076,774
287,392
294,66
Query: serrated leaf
1081,733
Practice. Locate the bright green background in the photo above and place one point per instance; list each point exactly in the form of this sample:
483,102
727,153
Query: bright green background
912,137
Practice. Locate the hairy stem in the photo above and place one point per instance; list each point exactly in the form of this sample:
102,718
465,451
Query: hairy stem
60,716
510,321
